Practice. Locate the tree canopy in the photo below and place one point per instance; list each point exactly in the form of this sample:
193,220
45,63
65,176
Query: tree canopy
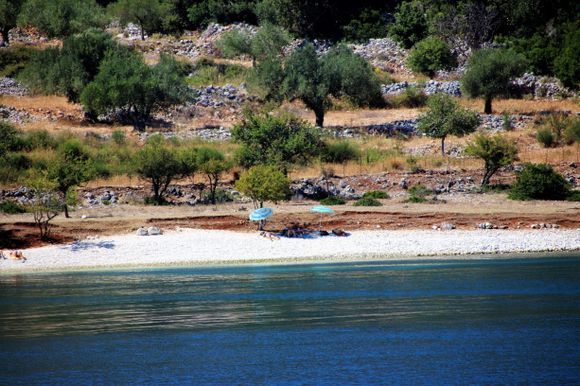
445,117
496,151
281,140
264,183
489,72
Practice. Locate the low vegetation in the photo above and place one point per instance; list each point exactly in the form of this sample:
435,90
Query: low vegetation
539,182
367,201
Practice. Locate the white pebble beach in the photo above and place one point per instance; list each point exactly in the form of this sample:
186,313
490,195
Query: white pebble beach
216,247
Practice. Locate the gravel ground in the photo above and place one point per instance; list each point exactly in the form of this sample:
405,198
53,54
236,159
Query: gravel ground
202,247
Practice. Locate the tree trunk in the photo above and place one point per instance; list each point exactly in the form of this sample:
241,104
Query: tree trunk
66,210
5,37
443,146
142,32
319,117
487,109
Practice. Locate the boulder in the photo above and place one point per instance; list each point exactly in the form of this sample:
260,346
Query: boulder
142,232
154,231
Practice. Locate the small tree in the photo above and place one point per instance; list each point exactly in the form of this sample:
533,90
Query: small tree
127,85
58,18
264,183
157,162
8,136
71,168
410,24
489,72
539,182
147,14
445,117
45,204
496,151
267,42
212,163
567,64
9,10
430,55
282,140
339,73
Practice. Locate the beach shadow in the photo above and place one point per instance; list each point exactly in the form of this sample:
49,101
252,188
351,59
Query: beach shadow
86,245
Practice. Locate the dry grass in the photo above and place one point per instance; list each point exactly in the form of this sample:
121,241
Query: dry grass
521,106
360,117
43,102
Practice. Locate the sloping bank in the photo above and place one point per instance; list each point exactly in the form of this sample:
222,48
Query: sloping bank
210,247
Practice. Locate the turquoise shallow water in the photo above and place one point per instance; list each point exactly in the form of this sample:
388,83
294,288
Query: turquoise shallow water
445,322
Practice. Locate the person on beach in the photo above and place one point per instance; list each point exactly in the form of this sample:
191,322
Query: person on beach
17,255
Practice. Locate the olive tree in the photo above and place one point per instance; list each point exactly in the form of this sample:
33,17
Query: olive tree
127,85
158,163
268,41
147,14
45,204
445,117
489,72
9,10
264,183
58,18
281,140
72,167
496,152
338,73
213,164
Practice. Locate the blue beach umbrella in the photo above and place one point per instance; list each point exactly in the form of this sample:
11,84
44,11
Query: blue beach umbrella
322,210
261,215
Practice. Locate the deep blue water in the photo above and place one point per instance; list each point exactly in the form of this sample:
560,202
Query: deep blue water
500,321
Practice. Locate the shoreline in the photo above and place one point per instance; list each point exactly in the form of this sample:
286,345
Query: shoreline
207,248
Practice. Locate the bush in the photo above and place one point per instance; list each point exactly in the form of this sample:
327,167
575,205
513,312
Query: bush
207,72
221,196
431,55
418,193
545,137
412,97
264,183
333,200
496,151
410,24
574,196
567,64
367,201
10,207
572,132
376,194
369,24
539,182
340,152
14,59
446,117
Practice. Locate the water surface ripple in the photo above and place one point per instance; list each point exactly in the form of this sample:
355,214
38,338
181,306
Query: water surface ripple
445,322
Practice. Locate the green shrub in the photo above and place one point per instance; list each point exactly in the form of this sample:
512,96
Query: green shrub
369,24
430,55
418,193
574,196
10,207
376,194
340,152
333,200
572,132
119,137
14,59
545,137
567,64
367,201
221,196
207,72
412,97
410,24
539,182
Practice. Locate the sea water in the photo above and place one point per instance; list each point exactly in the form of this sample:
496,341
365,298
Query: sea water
482,321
